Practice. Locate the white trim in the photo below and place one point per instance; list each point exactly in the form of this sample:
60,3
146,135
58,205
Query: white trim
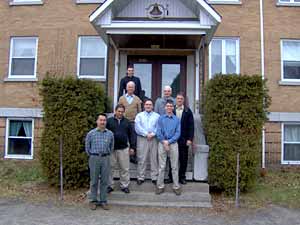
97,78
225,2
28,2
21,112
223,53
197,80
156,31
116,72
10,76
210,10
291,3
11,156
296,81
262,39
284,116
287,162
88,1
100,10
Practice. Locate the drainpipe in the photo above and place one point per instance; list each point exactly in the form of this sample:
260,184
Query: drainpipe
262,73
107,68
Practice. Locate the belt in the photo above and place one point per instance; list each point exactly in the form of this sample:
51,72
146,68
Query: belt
102,154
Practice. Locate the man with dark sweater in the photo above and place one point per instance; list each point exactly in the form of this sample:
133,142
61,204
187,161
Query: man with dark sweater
130,77
123,133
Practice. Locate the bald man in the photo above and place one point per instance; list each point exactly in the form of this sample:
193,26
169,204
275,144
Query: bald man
161,102
133,106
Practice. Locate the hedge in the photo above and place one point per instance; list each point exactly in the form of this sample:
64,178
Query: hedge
70,109
235,111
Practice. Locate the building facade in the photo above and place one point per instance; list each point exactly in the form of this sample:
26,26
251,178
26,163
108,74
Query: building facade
182,43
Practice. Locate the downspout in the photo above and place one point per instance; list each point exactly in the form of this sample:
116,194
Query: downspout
262,74
107,71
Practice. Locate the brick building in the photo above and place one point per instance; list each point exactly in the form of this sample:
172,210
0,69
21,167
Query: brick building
181,43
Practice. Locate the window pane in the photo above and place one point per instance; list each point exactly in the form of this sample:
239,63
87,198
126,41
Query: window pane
92,67
231,56
19,146
291,152
292,133
216,57
19,128
144,72
22,66
171,77
291,69
24,47
92,47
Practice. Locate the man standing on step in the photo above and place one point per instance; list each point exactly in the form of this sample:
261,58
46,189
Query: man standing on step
161,102
168,133
130,77
185,115
123,133
99,144
146,128
133,105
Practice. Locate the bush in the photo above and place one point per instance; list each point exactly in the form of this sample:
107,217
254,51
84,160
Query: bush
234,115
70,109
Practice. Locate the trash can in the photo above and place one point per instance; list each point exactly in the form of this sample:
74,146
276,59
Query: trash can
201,162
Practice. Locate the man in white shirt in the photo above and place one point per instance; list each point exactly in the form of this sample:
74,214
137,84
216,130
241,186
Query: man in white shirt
146,127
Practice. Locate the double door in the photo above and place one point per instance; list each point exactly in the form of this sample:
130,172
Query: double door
156,72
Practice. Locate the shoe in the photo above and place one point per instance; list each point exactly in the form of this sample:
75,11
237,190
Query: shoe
177,191
105,206
182,181
125,190
159,191
93,205
168,181
133,159
109,189
139,182
154,182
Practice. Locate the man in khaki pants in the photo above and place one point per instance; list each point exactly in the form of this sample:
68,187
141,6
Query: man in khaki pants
146,127
168,132
123,133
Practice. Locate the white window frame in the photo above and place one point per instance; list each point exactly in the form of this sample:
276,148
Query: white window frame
89,1
79,57
281,60
225,2
287,162
10,76
26,2
290,2
11,156
224,39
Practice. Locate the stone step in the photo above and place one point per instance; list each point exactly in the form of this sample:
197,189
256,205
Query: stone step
162,204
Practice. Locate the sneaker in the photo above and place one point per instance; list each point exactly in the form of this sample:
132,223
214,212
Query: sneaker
93,205
109,189
105,206
139,182
159,191
177,191
125,190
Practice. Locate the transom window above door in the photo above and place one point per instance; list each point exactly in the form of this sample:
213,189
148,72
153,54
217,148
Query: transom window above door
224,56
290,60
23,57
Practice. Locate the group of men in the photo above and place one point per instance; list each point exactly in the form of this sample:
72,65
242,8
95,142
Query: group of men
163,131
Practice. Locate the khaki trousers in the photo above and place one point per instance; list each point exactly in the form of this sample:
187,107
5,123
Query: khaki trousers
120,162
145,148
162,158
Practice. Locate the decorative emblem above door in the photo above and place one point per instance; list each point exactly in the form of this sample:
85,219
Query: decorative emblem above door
157,11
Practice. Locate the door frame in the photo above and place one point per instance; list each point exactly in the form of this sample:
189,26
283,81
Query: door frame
157,62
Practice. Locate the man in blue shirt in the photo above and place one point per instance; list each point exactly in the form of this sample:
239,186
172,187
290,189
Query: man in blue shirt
168,132
146,128
99,144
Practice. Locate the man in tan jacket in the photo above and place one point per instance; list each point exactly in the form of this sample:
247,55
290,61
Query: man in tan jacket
133,106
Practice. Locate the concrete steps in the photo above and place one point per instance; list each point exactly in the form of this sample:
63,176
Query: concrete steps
194,195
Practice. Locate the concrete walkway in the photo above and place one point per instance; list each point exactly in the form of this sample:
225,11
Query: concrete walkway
15,212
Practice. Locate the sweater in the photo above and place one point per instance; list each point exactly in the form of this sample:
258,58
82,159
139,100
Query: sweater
131,110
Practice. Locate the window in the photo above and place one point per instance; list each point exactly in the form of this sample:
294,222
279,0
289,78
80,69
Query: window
23,57
19,139
224,1
26,2
291,144
224,56
290,60
289,1
91,57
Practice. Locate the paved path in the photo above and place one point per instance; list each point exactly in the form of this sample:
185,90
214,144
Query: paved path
15,212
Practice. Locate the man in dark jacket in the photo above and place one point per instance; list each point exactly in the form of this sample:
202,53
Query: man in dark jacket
123,133
184,113
130,77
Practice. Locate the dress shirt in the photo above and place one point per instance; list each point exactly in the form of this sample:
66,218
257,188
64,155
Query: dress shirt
99,142
129,98
179,111
168,128
146,122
